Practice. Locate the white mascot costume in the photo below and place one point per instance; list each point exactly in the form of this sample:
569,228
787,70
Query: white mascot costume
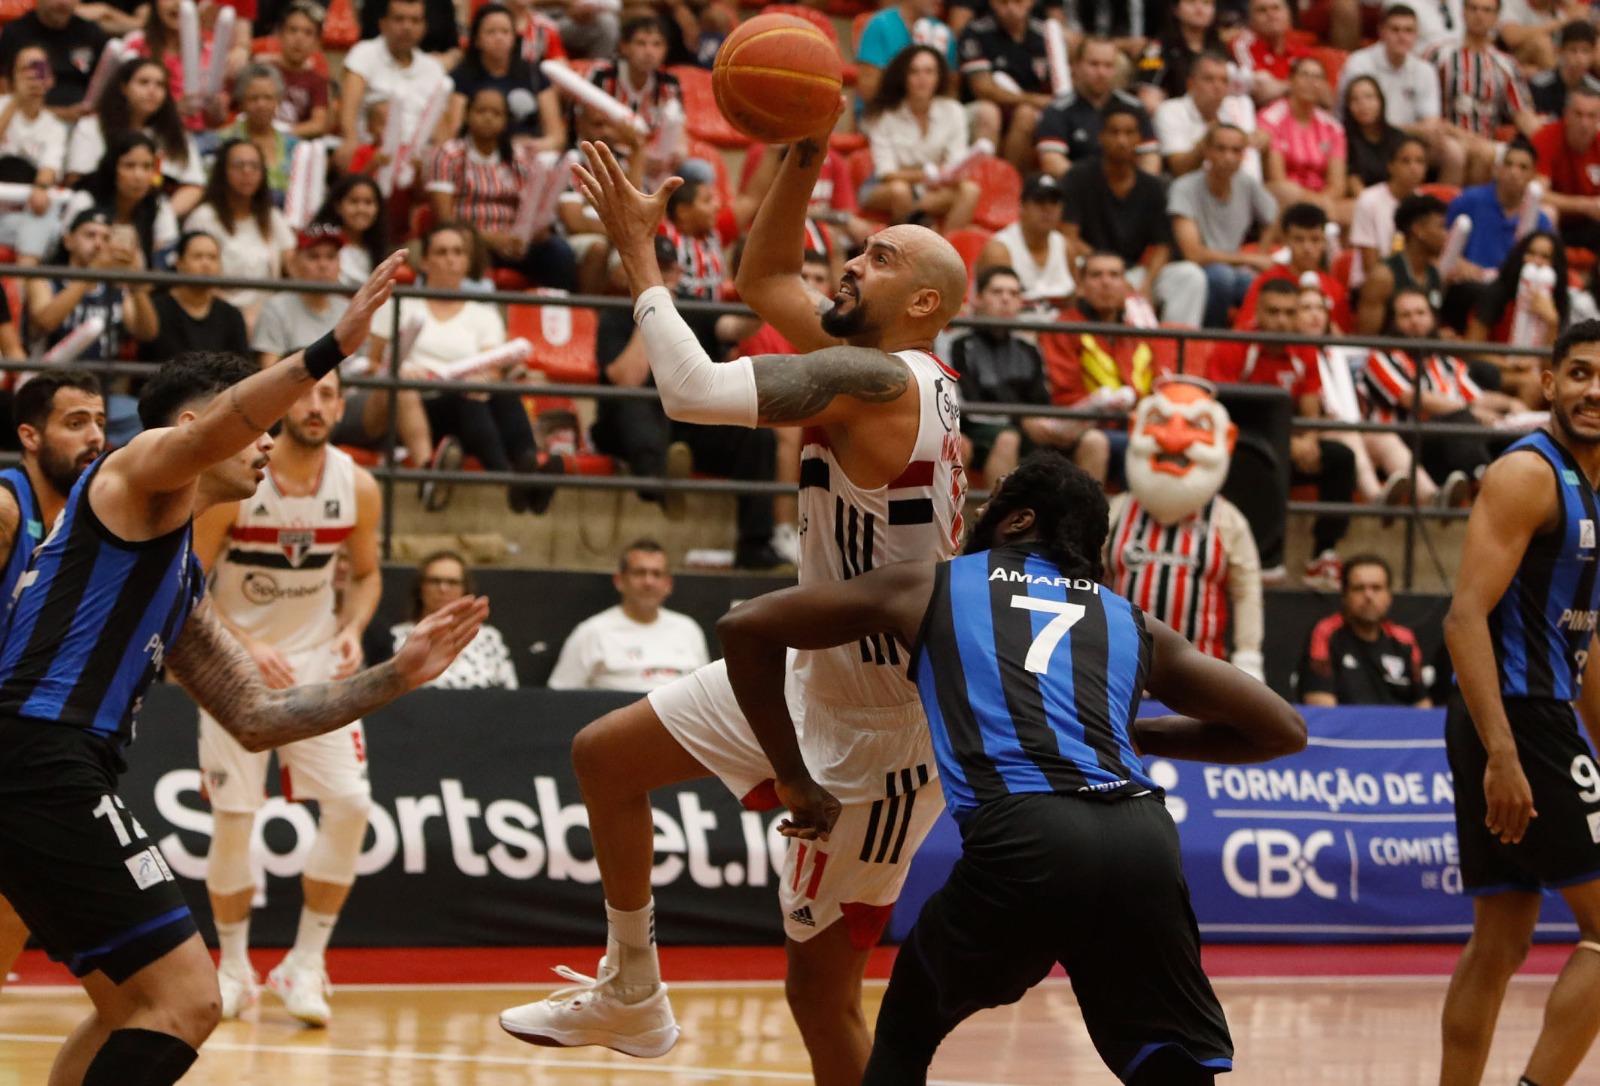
1177,547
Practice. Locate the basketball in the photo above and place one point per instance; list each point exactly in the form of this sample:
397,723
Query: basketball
777,78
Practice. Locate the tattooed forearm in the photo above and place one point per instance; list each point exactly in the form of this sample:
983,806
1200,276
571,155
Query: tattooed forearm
790,388
236,402
224,680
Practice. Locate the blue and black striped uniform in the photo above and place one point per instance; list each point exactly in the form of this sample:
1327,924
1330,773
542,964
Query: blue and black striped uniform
1031,680
1051,675
1542,626
93,621
90,626
30,532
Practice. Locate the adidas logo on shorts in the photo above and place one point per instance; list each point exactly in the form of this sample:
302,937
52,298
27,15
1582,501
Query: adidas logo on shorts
802,915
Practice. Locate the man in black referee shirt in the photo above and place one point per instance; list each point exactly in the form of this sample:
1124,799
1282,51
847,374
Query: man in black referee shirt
1068,853
1357,656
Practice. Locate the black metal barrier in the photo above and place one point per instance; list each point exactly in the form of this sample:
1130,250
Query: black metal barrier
391,474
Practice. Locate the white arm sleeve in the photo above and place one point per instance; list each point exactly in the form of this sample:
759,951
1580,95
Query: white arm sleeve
693,388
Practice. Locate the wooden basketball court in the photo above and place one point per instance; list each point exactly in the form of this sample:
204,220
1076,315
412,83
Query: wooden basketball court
1292,1029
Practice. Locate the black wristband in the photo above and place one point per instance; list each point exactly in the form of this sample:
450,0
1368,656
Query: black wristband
323,357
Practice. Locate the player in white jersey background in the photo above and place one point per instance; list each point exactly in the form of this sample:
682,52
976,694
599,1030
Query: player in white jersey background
272,560
881,481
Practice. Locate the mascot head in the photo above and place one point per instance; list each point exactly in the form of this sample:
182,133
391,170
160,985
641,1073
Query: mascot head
1178,450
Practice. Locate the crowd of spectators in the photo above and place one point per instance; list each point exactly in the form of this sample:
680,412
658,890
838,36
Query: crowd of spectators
1262,165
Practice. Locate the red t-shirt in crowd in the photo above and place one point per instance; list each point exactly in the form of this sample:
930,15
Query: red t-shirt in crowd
833,190
1295,371
1570,174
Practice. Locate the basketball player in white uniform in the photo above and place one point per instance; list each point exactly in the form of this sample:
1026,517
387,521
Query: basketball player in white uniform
881,481
272,560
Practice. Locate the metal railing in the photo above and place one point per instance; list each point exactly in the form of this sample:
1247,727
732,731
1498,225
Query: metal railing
390,473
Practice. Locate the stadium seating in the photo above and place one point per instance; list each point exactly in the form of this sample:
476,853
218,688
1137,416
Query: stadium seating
705,121
1002,192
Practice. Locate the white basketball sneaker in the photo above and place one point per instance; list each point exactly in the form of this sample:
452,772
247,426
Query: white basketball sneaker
589,1013
240,991
304,990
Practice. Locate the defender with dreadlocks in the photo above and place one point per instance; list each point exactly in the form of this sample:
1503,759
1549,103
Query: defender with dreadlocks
1068,853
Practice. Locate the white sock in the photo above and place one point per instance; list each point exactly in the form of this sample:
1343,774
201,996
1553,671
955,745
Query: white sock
631,951
311,941
234,941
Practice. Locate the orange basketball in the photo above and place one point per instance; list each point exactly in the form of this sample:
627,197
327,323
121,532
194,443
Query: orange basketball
777,78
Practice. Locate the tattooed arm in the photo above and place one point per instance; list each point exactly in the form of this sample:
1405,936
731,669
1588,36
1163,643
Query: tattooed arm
769,272
826,387
224,681
169,459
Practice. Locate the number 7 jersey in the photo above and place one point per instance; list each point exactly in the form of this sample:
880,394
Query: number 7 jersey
846,530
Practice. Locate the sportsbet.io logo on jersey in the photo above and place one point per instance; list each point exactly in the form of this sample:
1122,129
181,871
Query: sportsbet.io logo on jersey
262,588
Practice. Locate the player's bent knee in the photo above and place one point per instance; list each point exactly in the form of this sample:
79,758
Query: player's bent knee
342,827
228,862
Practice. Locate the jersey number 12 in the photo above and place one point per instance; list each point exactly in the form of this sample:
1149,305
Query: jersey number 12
1045,642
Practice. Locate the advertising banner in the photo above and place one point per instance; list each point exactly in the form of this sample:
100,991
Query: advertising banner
1352,840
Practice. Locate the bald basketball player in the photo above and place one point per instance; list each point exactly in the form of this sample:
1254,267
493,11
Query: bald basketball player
881,481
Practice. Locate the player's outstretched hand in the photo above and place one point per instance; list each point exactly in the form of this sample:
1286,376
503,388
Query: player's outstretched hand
351,331
1510,800
812,810
630,218
439,639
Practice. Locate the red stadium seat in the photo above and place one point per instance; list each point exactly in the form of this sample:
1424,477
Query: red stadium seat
340,30
810,15
563,339
860,163
705,120
1002,193
969,242
847,142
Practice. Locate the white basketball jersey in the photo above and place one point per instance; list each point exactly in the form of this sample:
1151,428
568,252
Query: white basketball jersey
274,580
846,530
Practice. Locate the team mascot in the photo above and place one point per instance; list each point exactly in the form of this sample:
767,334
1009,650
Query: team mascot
1177,547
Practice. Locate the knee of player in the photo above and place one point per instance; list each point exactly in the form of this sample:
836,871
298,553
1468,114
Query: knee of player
593,753
821,1000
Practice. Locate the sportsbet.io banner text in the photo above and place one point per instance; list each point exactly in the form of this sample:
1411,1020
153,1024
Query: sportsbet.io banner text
479,837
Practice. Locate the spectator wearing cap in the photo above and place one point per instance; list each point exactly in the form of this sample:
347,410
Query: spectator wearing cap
191,316
1069,131
1005,68
1214,212
55,307
1303,230
1110,204
290,320
1034,247
479,179
999,367
1569,167
1572,71
638,432
71,42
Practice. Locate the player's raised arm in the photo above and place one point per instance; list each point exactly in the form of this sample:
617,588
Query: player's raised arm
755,636
769,271
217,673
1228,716
169,459
1516,503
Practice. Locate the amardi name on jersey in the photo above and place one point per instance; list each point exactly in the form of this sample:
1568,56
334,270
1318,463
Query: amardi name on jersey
1015,576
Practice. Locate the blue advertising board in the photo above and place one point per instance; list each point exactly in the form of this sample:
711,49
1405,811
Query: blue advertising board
1352,840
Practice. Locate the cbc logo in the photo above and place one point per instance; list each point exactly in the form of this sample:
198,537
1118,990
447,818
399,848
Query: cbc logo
1284,864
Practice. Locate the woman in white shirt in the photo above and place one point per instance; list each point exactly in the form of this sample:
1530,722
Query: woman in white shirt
485,663
237,210
490,426
915,132
31,134
138,100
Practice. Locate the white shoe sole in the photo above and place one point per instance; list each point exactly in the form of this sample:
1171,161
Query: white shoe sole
311,1018
656,1042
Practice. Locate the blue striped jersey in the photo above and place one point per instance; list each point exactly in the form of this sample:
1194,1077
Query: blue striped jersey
30,532
1030,680
1541,627
93,619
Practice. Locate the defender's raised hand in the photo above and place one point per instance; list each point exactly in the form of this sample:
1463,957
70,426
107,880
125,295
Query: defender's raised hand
351,331
438,639
630,218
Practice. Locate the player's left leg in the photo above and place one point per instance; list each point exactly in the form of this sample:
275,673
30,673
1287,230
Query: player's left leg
150,1027
823,986
1572,1013
332,770
1502,931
